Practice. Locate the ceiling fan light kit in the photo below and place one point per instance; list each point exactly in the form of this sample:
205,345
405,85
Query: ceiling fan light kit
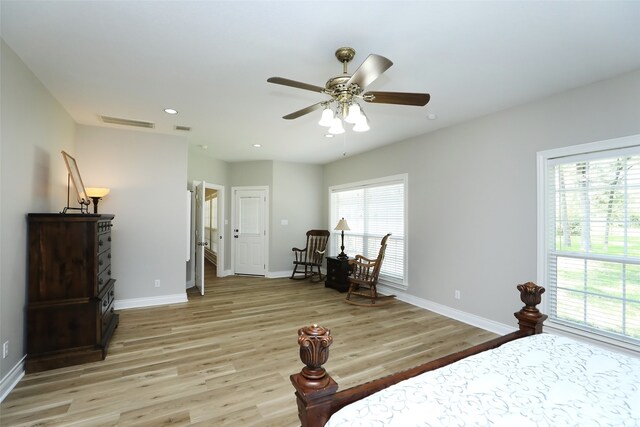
336,127
354,114
362,125
346,89
326,119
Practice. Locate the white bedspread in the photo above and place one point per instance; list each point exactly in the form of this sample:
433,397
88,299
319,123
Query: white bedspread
543,380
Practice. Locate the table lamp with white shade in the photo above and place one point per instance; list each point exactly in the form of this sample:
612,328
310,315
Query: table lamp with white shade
342,226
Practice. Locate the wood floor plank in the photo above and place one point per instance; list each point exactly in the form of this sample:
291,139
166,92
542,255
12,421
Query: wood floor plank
224,359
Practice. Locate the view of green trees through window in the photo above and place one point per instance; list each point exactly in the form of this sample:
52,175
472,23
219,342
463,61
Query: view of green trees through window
594,257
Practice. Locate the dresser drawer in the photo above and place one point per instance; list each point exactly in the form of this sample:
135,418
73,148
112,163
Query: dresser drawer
106,305
103,278
104,261
104,242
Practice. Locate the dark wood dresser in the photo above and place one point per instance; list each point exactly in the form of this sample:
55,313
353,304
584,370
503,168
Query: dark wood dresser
337,273
70,314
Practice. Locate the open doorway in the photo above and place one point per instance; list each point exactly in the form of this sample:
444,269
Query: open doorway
208,233
211,233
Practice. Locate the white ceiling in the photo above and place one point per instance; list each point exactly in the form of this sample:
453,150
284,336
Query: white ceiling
210,60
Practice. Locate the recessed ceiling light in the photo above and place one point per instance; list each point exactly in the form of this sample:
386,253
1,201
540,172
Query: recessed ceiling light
432,116
256,145
328,135
170,111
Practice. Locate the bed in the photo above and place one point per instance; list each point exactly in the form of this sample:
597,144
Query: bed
525,378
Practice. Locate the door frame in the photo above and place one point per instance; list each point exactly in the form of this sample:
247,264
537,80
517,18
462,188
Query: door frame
265,189
200,240
220,271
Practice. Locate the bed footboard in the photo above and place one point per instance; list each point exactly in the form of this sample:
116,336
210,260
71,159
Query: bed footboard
316,390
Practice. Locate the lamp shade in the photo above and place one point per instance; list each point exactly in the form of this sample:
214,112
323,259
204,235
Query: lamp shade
342,225
336,127
361,126
354,114
327,117
97,191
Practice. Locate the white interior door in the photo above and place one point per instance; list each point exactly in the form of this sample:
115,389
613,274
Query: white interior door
249,231
200,238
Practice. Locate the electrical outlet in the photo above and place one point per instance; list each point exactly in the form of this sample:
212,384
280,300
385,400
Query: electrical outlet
5,349
456,294
157,283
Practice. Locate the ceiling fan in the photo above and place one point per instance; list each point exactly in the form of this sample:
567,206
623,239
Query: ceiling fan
347,89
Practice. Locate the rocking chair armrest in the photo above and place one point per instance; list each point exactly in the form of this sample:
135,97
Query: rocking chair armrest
298,250
361,260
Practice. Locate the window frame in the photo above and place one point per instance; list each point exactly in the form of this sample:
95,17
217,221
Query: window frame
378,182
590,151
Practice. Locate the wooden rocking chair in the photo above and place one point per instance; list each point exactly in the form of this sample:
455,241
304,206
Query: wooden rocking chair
311,256
364,278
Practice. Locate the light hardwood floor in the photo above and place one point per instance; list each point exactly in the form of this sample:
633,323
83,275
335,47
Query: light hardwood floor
225,358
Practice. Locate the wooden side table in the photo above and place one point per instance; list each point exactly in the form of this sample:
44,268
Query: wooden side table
337,272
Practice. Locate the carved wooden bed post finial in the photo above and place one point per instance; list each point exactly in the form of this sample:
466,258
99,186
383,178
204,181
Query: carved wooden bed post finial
313,383
529,317
314,342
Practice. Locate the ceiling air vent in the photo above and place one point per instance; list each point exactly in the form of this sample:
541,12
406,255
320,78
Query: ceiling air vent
127,122
184,128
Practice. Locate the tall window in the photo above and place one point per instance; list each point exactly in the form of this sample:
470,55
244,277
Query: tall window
591,244
373,209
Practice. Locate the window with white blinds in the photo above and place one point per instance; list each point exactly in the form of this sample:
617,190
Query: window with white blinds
373,209
591,249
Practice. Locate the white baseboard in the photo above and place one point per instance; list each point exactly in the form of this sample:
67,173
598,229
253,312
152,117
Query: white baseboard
150,301
281,274
470,319
224,273
10,380
278,274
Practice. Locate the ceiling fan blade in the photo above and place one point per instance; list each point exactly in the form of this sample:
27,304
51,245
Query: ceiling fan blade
369,70
293,83
304,111
401,98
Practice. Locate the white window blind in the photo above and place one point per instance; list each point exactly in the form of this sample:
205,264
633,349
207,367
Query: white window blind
372,209
592,242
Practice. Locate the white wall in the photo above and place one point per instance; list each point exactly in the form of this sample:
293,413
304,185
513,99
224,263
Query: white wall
204,167
472,191
146,173
33,178
297,198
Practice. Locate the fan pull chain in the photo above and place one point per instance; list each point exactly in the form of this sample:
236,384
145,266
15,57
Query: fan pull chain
344,144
